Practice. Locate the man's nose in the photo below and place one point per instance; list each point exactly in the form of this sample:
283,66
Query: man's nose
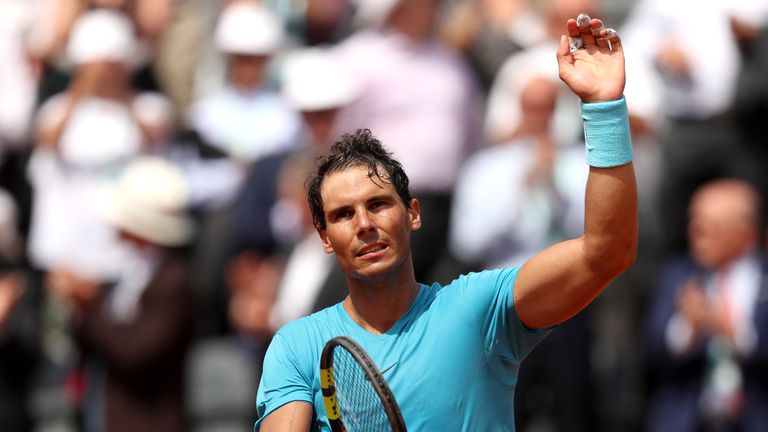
364,222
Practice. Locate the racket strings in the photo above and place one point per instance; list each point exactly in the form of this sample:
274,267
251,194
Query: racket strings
360,405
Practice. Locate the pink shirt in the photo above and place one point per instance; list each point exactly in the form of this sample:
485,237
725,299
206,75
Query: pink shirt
419,100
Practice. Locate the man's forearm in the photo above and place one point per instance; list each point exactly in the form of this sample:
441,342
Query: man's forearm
610,220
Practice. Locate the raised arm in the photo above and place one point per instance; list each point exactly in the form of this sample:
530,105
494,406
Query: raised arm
560,281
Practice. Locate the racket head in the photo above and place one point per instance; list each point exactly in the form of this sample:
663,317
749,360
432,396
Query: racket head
355,393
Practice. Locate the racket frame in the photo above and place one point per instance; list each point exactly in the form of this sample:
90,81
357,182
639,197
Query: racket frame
372,374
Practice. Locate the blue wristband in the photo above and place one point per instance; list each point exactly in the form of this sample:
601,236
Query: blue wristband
606,133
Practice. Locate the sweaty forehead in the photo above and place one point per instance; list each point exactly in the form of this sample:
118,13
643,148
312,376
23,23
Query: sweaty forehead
352,184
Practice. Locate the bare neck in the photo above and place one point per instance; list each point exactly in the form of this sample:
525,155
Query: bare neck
376,305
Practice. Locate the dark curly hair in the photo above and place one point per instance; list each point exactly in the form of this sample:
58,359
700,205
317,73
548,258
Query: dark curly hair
359,149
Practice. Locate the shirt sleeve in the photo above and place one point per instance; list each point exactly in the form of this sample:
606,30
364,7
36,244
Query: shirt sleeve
492,298
282,380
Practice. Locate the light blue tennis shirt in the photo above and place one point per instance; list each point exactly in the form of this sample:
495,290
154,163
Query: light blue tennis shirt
451,360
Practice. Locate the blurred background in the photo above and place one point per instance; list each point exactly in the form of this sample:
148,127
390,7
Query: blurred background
154,231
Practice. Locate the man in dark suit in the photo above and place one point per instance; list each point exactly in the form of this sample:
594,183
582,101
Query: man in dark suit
708,322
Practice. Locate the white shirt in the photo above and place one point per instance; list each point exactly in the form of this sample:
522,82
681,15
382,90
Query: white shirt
702,29
67,227
246,125
501,220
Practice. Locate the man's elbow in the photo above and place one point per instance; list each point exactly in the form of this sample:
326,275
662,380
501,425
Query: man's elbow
613,259
626,258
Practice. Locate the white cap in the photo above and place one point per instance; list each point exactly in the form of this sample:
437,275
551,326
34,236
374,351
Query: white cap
102,34
149,201
247,27
312,81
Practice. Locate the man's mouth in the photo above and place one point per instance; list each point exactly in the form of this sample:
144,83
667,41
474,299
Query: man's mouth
372,249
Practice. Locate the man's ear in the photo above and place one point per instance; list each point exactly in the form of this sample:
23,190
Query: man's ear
414,215
324,238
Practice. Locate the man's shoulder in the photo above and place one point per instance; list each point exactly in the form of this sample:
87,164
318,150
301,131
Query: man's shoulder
466,283
316,323
302,340
482,275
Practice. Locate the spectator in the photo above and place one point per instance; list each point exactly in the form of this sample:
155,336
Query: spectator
84,136
134,330
54,20
247,119
709,317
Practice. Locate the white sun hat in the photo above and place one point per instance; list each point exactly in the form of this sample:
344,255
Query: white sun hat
102,34
313,81
150,202
246,27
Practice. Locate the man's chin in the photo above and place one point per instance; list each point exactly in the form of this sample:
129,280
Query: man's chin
375,271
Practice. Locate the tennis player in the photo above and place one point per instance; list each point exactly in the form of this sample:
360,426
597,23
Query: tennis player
451,353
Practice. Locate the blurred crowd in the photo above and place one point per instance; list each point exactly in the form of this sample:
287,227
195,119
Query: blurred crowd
154,231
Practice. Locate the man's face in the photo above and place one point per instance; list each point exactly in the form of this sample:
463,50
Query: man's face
709,240
367,224
321,124
247,71
717,232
